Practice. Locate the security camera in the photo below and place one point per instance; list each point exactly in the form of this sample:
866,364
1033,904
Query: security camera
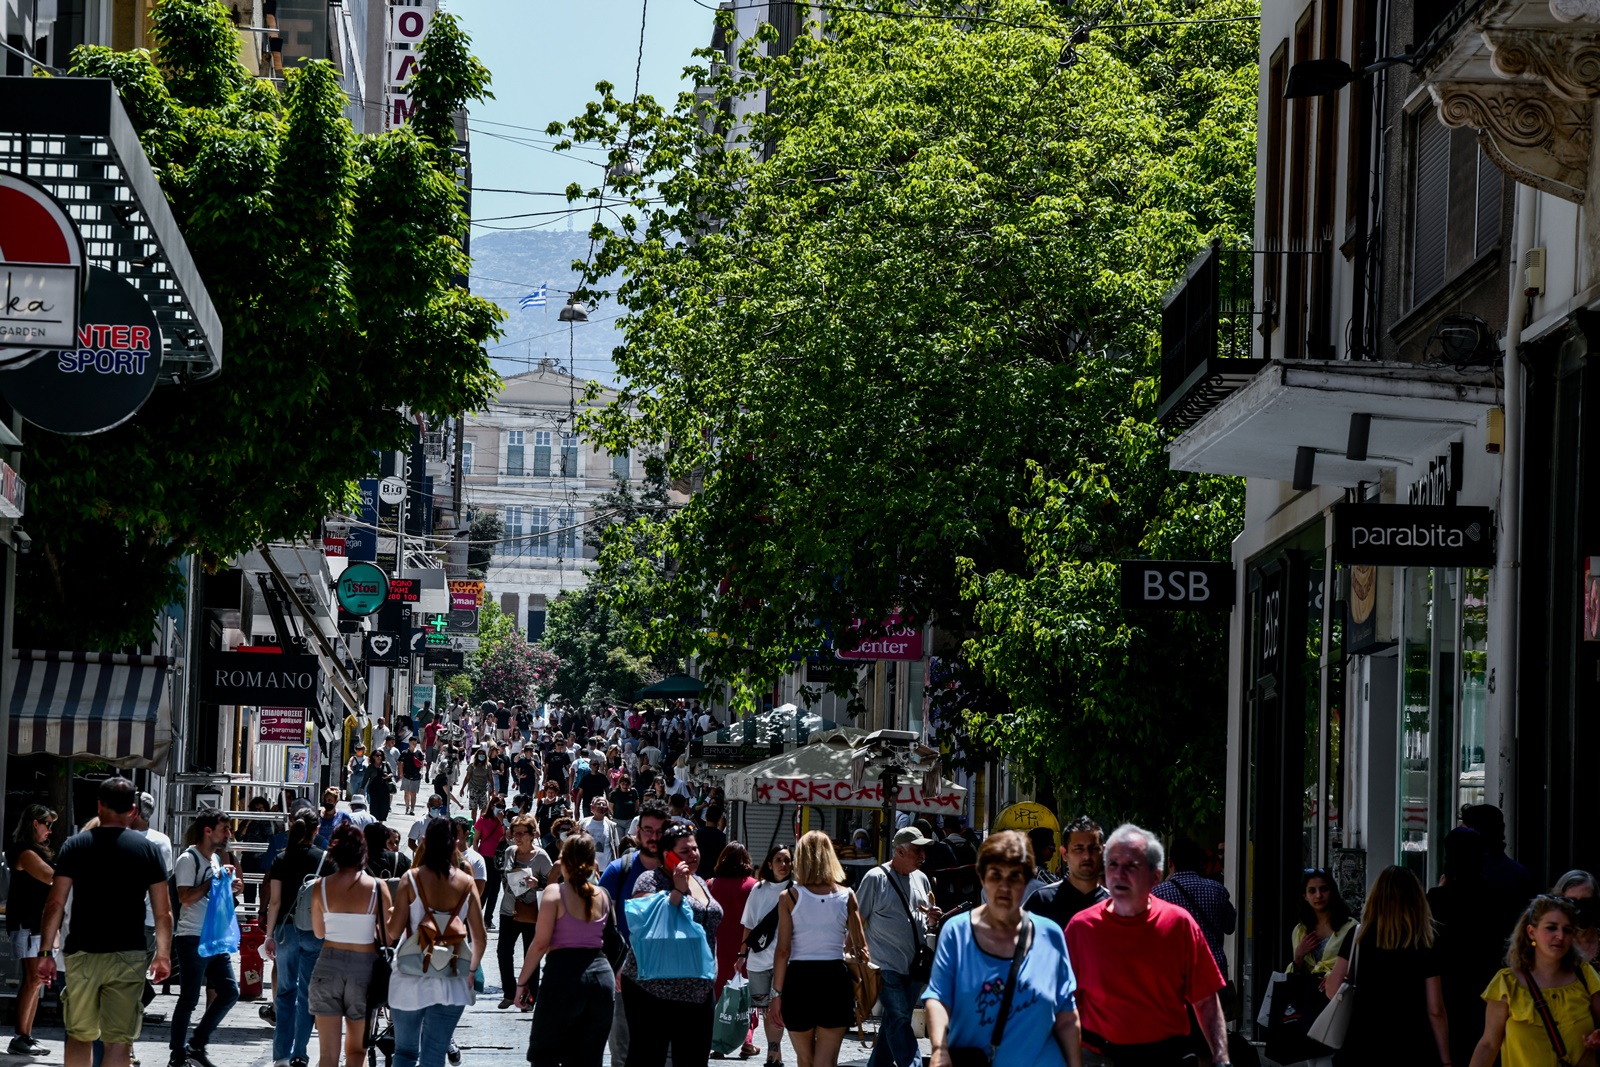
21,542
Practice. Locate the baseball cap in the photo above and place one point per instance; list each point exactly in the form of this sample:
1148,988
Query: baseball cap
910,835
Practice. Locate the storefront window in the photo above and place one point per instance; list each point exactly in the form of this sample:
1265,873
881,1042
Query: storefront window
1474,686
1311,716
1432,776
1416,719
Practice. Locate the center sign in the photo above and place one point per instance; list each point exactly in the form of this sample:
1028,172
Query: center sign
363,589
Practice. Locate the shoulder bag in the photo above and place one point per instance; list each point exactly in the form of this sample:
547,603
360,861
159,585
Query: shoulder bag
1334,1022
1551,1029
922,958
611,942
383,962
765,932
984,1057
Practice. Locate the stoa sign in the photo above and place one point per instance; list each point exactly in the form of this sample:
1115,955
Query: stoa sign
1177,585
362,589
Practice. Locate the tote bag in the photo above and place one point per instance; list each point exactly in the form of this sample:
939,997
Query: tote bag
219,930
732,1023
1334,1022
667,942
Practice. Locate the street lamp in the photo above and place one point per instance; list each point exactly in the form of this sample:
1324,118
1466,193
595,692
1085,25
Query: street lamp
573,311
1319,77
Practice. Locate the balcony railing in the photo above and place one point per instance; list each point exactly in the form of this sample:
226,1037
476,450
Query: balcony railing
1209,319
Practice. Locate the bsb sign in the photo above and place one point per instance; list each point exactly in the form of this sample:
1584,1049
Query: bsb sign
1177,585
1413,535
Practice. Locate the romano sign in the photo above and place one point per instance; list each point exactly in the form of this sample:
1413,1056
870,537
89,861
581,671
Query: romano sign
258,679
1413,535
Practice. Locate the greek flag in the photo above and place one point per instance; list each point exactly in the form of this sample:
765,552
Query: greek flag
535,299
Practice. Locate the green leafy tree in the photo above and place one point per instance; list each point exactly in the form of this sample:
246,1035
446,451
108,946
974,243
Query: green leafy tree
484,533
332,261
505,666
892,344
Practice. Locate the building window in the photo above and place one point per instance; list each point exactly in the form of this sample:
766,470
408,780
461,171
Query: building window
1430,206
1489,179
539,531
512,543
620,466
466,457
541,453
567,533
569,455
514,452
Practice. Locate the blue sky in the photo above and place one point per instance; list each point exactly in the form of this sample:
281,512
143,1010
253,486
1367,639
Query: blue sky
545,58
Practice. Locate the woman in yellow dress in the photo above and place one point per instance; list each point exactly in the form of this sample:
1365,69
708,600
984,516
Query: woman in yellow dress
1544,963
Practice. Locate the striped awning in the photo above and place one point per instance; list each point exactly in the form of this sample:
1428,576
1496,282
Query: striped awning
93,705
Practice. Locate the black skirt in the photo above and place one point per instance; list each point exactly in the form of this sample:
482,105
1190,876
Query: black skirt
817,993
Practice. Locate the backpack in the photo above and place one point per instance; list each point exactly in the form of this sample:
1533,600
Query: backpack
302,899
437,947
172,886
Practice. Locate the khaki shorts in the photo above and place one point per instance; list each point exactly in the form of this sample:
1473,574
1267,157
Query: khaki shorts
103,997
760,988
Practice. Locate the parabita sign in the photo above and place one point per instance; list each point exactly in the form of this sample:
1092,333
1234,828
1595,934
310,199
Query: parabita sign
1407,535
254,679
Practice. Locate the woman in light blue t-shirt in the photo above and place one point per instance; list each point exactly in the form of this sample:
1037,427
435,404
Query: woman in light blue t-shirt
973,961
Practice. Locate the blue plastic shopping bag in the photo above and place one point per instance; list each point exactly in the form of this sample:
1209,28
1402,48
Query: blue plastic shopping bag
219,930
667,942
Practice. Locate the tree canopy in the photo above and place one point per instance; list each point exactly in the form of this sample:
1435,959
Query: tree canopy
332,260
898,325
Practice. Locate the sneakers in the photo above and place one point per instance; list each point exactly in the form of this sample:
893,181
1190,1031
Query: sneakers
454,1054
25,1045
198,1058
269,1012
299,1063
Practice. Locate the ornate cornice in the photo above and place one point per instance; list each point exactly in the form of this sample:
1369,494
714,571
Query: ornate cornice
1538,138
1576,10
1567,61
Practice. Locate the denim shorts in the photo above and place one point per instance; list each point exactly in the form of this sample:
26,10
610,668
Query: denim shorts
339,983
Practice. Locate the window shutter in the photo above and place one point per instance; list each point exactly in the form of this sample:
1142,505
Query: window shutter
1489,178
1430,206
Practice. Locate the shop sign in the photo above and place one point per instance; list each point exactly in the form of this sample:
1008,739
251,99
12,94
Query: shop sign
421,694
41,257
1177,585
405,590
827,671
363,589
106,378
444,659
1407,535
288,680
282,726
333,546
841,794
902,641
465,595
384,649
462,621
1443,480
13,492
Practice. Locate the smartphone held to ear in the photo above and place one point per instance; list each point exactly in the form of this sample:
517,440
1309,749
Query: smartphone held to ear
670,862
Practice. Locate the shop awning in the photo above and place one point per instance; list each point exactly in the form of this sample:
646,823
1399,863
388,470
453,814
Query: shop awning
674,685
819,774
93,705
1297,403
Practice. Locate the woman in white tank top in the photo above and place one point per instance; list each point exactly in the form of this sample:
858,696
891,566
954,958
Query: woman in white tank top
347,908
812,992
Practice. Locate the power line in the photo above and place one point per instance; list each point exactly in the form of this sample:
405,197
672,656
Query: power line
552,333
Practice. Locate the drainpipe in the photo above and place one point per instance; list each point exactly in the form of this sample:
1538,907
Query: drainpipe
1503,651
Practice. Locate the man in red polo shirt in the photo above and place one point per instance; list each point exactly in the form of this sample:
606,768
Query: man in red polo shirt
1140,962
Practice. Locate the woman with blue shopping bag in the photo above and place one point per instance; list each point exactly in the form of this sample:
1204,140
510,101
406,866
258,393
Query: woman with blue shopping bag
207,932
668,976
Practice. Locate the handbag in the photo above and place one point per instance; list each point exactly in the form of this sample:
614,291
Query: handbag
1334,1022
922,960
382,964
611,942
982,1057
1551,1030
1291,1005
763,933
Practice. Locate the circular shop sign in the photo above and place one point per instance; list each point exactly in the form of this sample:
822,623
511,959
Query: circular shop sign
36,230
362,589
392,490
102,383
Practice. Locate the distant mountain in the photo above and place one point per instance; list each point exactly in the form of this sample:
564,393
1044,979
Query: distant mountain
507,266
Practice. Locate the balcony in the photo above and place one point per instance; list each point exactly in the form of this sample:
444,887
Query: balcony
1523,73
1210,318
